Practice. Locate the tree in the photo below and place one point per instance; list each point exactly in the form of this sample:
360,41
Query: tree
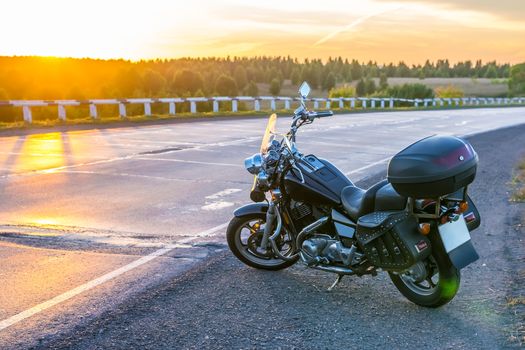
356,71
370,86
3,95
296,76
240,77
275,86
402,70
127,81
226,86
252,89
329,81
517,79
187,81
153,82
491,72
383,82
360,88
411,91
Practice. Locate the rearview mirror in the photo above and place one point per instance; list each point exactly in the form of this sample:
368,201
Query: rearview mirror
304,90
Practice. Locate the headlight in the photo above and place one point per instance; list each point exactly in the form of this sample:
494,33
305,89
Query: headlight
253,164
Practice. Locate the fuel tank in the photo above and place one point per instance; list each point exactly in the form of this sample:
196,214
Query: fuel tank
322,185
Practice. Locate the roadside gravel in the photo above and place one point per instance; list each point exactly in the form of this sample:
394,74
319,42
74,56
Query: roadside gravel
223,304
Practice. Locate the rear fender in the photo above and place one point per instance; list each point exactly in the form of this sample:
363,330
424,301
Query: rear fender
250,209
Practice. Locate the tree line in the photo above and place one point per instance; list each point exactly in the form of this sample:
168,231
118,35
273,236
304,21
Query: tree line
72,78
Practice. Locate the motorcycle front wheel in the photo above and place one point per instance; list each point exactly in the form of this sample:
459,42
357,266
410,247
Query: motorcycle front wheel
438,287
244,235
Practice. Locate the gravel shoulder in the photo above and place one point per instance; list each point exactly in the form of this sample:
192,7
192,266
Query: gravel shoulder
224,304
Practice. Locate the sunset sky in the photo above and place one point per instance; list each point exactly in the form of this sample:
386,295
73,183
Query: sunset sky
380,30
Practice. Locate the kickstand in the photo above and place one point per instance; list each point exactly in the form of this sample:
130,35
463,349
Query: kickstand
336,282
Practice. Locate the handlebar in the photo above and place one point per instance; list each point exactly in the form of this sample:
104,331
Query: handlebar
313,115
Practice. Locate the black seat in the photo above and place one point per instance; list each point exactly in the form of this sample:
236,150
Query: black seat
358,202
380,197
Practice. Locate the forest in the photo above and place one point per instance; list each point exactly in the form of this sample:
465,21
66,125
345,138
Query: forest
86,78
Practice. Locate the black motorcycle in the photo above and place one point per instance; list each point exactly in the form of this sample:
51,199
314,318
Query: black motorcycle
415,225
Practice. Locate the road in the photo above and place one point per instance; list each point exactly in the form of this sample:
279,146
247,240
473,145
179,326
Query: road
93,218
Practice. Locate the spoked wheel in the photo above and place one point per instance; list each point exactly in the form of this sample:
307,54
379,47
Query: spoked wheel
244,237
431,283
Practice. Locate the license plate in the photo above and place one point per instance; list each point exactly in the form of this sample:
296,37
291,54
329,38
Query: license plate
453,234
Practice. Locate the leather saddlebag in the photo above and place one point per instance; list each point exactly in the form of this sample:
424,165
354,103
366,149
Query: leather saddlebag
391,240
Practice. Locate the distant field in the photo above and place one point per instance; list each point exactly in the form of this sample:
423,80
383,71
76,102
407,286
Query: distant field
471,86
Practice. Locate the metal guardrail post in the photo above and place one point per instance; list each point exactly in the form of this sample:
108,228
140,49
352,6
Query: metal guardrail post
61,112
93,113
147,109
391,103
122,110
234,105
28,116
272,104
257,104
172,108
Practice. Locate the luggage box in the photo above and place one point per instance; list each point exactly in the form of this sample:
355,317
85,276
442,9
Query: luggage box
433,167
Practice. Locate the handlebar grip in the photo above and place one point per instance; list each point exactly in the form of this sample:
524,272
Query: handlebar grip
324,114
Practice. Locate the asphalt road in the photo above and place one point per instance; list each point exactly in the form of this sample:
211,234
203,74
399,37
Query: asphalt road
79,205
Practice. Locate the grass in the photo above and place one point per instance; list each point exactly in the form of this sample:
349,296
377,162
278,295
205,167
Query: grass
515,301
517,334
518,183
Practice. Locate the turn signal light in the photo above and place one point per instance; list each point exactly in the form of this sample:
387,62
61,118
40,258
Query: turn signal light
462,207
424,228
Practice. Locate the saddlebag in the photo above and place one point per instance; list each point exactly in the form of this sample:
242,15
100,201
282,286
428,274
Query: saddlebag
391,240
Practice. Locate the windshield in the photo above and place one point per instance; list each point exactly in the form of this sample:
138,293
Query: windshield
268,133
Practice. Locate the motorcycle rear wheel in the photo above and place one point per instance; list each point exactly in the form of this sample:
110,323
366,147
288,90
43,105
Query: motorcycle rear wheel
439,288
243,236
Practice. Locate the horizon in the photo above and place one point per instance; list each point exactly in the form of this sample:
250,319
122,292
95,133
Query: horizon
300,61
378,30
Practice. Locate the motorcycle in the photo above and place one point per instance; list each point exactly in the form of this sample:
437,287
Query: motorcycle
415,225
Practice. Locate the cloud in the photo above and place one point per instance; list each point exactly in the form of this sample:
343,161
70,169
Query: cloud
352,25
507,9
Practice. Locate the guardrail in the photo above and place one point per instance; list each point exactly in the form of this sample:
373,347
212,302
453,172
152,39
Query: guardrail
340,102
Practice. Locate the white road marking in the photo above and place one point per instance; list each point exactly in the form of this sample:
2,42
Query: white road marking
223,193
214,201
102,279
189,161
368,166
217,205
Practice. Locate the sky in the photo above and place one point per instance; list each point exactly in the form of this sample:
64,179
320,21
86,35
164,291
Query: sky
378,30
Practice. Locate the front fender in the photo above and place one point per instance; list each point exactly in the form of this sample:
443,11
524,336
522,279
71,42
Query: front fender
252,208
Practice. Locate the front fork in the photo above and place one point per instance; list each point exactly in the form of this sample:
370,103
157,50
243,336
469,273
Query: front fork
271,214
